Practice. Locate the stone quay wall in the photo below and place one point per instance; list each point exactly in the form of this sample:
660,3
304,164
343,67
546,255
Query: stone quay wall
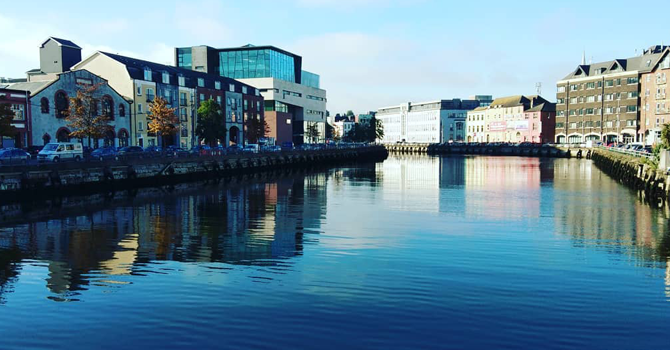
634,173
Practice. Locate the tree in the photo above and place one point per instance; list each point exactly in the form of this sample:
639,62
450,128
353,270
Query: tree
312,132
379,128
162,119
211,123
350,113
6,118
82,115
665,135
256,129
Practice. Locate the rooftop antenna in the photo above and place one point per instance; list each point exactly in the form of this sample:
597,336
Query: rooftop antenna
538,86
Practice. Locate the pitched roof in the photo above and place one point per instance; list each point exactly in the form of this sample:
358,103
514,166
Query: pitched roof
33,86
510,101
643,63
136,67
543,107
62,42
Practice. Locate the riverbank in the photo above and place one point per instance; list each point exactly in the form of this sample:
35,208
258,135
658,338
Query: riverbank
52,180
488,149
634,173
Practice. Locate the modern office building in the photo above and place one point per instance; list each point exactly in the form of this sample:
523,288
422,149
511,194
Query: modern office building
600,101
292,96
426,122
484,100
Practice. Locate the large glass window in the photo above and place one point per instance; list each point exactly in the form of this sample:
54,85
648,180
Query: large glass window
184,58
259,63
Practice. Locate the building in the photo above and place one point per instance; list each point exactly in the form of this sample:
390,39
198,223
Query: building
475,125
654,102
291,95
19,101
50,101
141,81
484,100
342,128
426,122
516,119
601,101
56,56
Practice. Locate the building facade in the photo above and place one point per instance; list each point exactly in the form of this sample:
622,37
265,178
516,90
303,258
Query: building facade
278,74
19,101
50,101
426,122
654,101
475,125
183,89
516,119
601,101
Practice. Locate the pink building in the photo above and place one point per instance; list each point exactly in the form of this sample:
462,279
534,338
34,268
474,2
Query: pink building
518,119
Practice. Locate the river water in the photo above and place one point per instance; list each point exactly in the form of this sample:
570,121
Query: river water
415,252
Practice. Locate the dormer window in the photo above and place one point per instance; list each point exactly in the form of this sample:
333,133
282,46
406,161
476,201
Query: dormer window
231,87
244,90
201,82
181,80
217,85
166,78
147,74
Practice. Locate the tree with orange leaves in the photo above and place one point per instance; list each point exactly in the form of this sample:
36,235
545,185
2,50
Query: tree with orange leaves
83,117
162,119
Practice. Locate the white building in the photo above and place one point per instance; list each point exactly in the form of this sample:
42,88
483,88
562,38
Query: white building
476,125
426,122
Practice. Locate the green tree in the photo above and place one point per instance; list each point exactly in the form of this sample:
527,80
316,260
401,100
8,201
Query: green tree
350,113
6,118
256,129
665,135
312,132
211,123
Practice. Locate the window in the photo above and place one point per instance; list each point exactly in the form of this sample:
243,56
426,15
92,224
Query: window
182,99
559,101
183,114
244,90
122,110
150,95
228,102
231,87
202,98
168,96
631,109
591,99
633,94
573,100
62,104
139,108
574,87
591,85
589,111
217,85
618,82
108,107
181,80
44,105
140,126
561,89
218,100
201,82
147,74
166,78
246,105
258,106
139,91
609,83
184,130
632,80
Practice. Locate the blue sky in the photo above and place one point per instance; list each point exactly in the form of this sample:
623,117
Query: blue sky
369,53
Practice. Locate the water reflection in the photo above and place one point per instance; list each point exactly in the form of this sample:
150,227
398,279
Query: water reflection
245,224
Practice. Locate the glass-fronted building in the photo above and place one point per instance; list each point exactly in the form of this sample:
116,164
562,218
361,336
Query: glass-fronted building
258,63
184,58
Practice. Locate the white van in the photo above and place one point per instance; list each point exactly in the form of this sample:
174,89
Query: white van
61,151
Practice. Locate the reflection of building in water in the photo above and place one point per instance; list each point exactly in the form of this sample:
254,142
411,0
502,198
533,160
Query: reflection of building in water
411,183
238,224
503,187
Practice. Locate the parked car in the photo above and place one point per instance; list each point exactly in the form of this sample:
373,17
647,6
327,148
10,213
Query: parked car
132,152
104,153
176,152
201,150
252,148
13,156
153,152
234,149
61,151
33,151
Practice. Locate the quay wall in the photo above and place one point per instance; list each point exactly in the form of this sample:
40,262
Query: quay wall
48,180
501,150
634,173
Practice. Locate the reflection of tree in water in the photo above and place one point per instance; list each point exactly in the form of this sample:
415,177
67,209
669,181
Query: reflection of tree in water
9,270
